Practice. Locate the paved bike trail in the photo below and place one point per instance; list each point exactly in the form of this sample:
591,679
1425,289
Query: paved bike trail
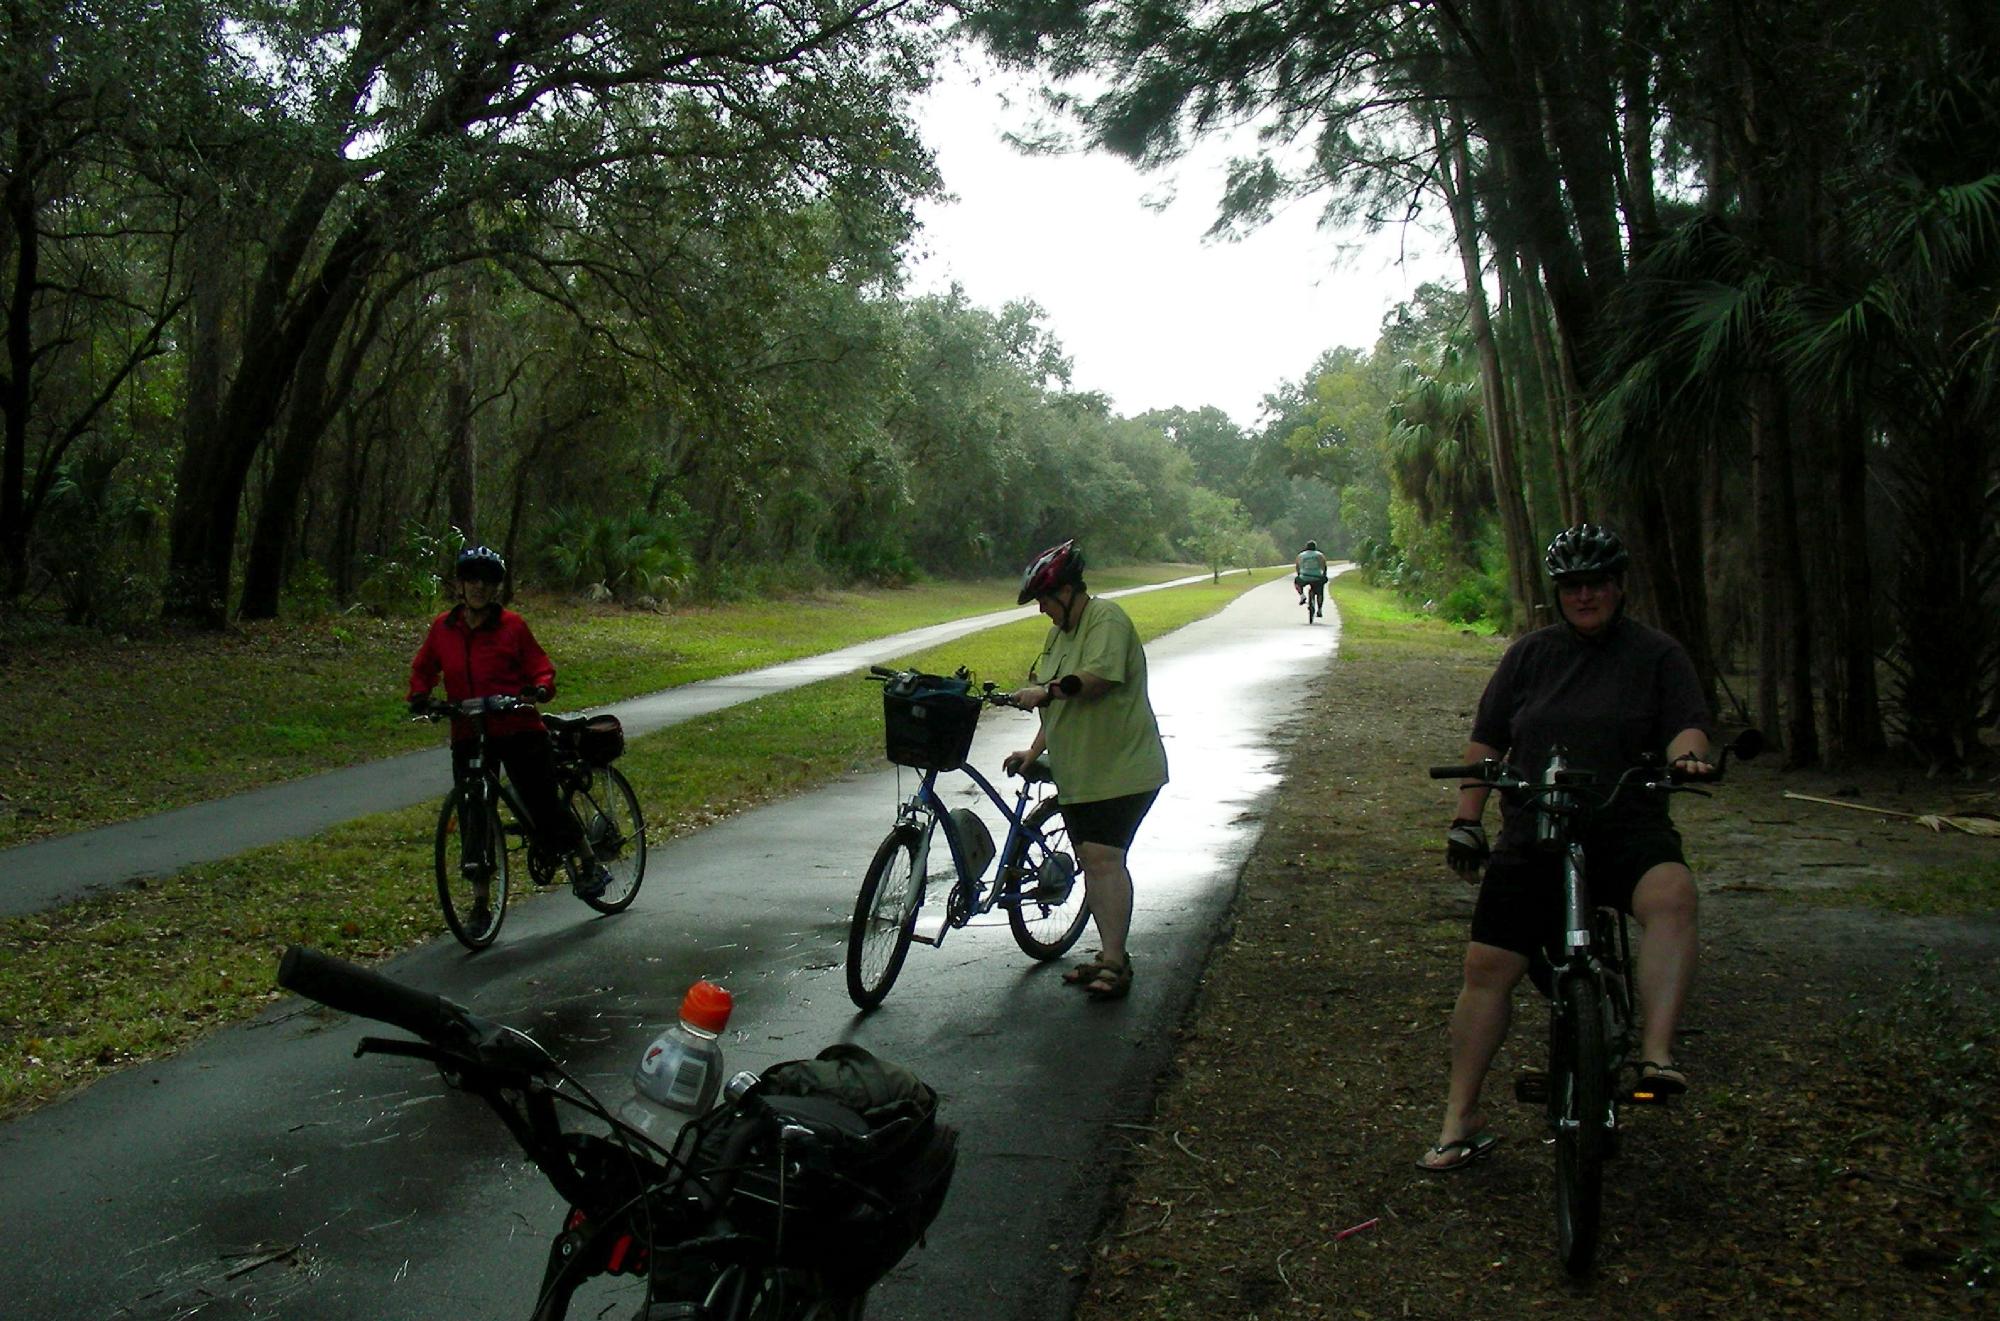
56,871
268,1173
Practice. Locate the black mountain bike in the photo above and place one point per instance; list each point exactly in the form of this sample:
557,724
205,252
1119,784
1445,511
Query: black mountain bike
1315,601
768,1208
476,841
1592,1032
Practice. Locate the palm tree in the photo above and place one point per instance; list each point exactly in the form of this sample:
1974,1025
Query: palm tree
1437,448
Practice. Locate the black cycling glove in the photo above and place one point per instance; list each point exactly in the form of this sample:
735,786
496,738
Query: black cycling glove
420,705
1465,849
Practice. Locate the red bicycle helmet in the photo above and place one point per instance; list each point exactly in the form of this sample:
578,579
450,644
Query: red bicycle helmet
1053,568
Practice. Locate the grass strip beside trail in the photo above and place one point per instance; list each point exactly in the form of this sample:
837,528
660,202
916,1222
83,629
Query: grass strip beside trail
103,730
135,975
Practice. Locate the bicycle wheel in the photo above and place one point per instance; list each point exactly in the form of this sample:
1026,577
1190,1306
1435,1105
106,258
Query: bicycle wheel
608,811
782,1295
1044,928
471,869
884,914
1580,1097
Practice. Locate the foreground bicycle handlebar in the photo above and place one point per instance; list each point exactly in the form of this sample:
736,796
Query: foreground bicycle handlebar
634,1205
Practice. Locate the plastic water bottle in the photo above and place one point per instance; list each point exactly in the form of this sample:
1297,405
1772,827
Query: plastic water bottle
681,1071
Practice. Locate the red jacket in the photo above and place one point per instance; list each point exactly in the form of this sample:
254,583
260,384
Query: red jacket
499,658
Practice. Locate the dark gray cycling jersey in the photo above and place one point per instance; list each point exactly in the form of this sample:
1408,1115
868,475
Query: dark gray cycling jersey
1607,701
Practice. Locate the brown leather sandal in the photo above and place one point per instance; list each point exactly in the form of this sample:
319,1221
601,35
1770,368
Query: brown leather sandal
1083,973
1111,982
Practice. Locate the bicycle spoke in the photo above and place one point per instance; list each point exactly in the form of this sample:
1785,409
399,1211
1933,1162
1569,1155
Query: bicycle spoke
615,832
472,869
878,937
1046,916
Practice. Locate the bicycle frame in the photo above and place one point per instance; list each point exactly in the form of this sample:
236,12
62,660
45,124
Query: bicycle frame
486,781
971,896
1590,1004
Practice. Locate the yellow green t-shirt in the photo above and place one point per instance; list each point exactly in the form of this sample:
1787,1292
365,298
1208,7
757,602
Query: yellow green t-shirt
1109,746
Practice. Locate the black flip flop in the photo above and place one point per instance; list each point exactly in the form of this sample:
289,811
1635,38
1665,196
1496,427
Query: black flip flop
1476,1148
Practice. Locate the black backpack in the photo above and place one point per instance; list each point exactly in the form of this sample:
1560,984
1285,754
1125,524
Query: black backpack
856,1196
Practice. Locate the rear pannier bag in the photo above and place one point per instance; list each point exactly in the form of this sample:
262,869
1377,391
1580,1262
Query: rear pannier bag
602,740
928,721
876,1176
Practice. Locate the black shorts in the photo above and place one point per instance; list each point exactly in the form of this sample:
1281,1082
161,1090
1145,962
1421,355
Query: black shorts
1521,902
1111,822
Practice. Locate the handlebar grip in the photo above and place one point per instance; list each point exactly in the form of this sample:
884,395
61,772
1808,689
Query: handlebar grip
341,985
1472,772
882,670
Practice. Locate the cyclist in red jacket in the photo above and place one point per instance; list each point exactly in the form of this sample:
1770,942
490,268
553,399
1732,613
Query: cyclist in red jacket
482,649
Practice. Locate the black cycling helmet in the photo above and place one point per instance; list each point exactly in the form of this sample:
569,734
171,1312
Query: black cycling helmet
1050,570
1585,550
482,563
1312,545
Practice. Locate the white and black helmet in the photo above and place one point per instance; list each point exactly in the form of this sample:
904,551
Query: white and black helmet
1586,550
482,563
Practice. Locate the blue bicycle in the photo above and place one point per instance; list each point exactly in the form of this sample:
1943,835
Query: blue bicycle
929,722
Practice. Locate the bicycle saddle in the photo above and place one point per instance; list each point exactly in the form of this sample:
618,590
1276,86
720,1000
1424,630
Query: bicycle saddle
1037,771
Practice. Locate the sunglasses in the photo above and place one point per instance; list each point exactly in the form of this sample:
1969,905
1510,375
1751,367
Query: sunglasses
1579,586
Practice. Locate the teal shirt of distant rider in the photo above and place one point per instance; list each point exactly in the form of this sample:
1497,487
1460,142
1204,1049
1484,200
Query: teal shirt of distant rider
1309,568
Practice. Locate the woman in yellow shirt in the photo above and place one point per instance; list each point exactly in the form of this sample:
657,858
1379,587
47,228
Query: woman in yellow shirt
1103,743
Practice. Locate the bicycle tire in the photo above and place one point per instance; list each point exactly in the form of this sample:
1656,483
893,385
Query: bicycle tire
616,831
785,1295
1043,931
1580,1097
885,912
459,880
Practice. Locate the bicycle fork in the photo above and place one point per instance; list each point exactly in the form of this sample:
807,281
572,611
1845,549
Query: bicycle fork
475,859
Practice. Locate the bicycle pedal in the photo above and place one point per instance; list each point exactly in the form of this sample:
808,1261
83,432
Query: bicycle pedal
1532,1087
928,929
1640,1094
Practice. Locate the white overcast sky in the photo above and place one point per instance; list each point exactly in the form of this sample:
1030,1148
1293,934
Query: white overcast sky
1150,313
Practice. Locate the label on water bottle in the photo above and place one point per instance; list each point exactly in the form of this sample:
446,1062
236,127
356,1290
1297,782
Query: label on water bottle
685,1087
674,1075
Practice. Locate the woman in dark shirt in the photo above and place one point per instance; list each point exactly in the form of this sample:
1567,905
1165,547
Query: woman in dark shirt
1609,691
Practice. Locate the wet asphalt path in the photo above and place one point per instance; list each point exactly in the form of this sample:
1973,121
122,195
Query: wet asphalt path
54,871
267,1173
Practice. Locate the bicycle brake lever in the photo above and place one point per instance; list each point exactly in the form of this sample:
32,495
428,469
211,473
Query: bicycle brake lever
416,1050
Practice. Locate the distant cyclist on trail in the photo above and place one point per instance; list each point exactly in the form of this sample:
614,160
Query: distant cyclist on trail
482,649
1611,692
1103,743
1309,570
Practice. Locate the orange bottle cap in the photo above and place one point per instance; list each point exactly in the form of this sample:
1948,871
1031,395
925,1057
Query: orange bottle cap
707,1007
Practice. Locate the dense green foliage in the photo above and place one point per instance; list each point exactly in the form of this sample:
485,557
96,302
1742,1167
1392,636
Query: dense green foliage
617,287
614,286
1731,283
